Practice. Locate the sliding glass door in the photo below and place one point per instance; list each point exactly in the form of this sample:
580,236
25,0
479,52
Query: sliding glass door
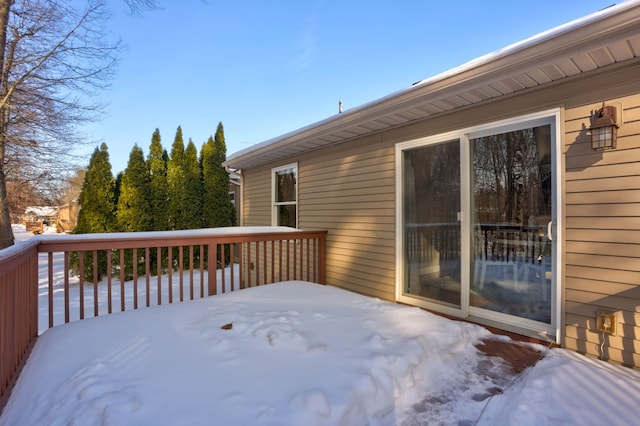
511,222
432,229
477,213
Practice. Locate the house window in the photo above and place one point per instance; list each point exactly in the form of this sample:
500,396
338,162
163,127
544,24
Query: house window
285,196
232,197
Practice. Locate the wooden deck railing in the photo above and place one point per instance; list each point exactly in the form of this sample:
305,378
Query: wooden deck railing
70,277
18,311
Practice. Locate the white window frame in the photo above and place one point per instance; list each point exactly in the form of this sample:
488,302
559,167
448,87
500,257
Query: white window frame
274,203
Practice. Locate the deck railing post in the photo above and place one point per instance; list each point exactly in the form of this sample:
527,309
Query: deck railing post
322,259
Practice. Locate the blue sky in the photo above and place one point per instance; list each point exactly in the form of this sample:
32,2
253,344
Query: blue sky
264,68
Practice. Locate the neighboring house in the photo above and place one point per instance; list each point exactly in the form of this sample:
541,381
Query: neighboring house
64,217
44,214
68,217
477,193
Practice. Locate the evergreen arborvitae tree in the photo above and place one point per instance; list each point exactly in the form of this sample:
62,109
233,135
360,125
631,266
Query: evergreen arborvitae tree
97,212
97,197
116,192
157,164
218,210
134,211
207,165
192,211
175,183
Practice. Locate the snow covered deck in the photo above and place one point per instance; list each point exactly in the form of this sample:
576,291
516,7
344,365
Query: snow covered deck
298,353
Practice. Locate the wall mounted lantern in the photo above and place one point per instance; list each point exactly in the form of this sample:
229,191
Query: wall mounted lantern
604,130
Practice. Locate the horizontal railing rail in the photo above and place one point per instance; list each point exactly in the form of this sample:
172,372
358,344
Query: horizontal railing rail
55,279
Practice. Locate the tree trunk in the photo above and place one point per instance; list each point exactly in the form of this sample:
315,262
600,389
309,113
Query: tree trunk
6,233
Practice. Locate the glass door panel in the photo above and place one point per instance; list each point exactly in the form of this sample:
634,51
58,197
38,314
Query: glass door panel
512,212
431,222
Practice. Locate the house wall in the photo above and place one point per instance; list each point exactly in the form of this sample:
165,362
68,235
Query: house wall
256,200
67,217
351,192
349,189
602,270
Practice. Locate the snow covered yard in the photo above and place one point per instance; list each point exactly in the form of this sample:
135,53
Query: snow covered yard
297,353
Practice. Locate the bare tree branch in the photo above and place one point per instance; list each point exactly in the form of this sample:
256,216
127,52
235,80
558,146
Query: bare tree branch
56,56
136,7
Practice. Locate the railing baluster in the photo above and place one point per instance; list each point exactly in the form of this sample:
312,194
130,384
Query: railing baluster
280,259
123,268
159,260
295,259
95,283
159,274
81,283
50,277
264,263
191,272
288,244
242,273
66,286
212,281
308,260
273,262
232,251
201,271
249,265
170,272
180,271
223,253
134,256
109,284
257,263
315,257
147,270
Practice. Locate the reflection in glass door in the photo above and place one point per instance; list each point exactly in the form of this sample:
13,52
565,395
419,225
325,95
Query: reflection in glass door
512,213
431,208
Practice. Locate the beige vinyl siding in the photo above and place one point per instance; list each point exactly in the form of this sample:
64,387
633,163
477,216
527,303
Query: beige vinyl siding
602,238
350,191
256,208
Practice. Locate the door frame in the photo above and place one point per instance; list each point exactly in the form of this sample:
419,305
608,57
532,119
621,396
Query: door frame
507,322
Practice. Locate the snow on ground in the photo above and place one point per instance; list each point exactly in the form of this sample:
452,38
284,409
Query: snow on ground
298,353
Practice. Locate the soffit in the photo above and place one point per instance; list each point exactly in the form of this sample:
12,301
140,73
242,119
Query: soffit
598,41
